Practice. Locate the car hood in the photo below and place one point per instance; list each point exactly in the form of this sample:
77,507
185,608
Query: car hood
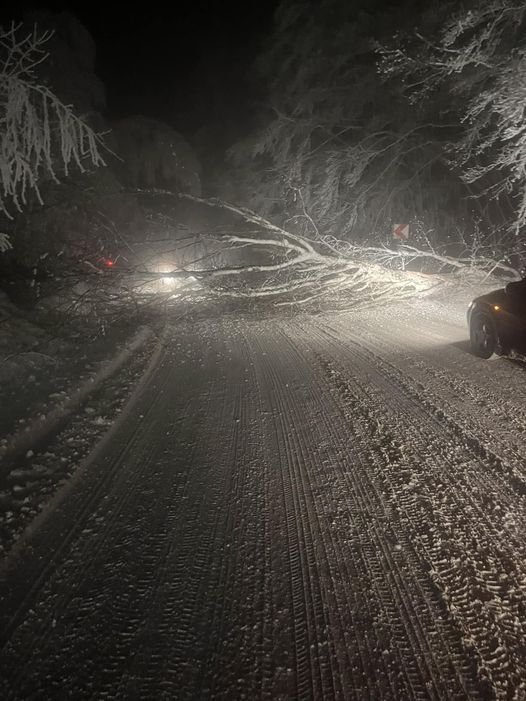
494,297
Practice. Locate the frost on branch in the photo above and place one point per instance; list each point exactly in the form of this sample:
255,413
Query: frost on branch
472,69
292,269
297,270
39,135
251,258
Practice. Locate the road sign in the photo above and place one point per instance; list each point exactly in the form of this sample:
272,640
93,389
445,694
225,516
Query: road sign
401,232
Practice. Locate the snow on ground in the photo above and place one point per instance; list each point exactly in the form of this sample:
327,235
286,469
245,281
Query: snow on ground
24,346
324,506
55,417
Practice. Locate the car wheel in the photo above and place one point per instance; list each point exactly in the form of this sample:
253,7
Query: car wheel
483,337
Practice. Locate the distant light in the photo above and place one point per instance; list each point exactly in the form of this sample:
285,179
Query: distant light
109,263
496,307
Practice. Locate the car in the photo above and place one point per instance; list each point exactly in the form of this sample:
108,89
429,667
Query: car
497,321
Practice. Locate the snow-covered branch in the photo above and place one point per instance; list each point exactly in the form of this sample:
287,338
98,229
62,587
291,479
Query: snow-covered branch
252,217
385,255
283,266
39,134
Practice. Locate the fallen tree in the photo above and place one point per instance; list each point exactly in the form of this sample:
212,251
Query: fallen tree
251,258
303,269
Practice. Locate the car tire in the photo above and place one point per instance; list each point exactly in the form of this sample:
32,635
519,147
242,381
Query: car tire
483,336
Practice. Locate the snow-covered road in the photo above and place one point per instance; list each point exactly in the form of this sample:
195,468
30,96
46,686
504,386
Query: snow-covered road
324,507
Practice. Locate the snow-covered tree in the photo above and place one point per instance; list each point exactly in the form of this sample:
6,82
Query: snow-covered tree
473,67
339,150
41,138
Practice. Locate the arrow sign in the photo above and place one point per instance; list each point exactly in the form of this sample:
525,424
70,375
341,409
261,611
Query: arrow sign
401,232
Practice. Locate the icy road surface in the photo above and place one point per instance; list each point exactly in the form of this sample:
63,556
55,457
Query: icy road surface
326,507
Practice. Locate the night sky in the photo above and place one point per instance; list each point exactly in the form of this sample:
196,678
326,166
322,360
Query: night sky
186,64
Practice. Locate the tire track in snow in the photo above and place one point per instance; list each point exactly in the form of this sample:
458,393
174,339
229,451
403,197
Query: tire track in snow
494,576
136,591
473,388
418,681
238,647
82,516
92,537
263,532
307,610
407,600
492,471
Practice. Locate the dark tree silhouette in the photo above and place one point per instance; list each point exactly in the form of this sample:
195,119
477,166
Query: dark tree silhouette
154,155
